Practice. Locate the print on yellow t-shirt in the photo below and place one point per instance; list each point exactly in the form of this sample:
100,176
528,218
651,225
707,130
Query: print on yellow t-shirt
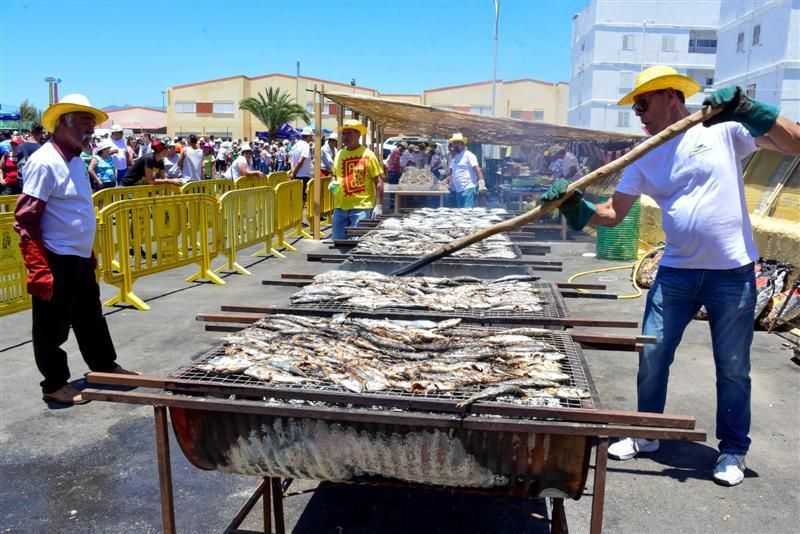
356,171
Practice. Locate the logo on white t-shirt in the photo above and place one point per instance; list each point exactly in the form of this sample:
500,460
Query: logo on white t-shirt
699,149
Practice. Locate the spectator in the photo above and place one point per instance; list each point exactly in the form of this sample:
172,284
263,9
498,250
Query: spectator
394,165
56,222
222,157
9,175
243,165
301,157
30,146
149,169
171,167
102,169
465,174
191,161
329,154
121,157
208,162
146,145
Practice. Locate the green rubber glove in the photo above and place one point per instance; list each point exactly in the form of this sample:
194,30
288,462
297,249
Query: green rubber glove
576,209
736,106
333,187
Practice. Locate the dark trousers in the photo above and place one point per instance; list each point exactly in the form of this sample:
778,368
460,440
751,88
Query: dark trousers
75,303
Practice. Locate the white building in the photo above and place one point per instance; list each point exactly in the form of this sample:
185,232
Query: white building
614,40
759,50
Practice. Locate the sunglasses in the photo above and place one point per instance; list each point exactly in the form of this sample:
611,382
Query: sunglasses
641,105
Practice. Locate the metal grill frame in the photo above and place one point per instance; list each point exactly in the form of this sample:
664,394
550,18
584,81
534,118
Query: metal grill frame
574,365
553,308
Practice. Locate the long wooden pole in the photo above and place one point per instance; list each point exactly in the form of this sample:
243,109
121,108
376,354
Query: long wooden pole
606,170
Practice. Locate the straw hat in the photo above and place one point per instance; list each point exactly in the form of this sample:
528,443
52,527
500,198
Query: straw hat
333,137
553,150
245,147
457,137
353,124
307,131
69,104
104,145
660,77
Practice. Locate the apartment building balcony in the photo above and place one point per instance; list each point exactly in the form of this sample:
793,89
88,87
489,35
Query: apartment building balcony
702,46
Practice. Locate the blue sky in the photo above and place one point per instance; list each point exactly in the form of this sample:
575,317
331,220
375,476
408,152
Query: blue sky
128,52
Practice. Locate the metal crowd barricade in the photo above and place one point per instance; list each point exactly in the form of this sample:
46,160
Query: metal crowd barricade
247,218
13,274
326,210
275,178
246,182
151,235
215,188
104,197
8,203
289,212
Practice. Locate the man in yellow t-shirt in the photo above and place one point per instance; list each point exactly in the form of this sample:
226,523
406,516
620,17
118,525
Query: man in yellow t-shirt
357,186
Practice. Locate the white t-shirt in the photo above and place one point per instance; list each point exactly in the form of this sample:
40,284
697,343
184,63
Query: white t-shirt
222,154
121,157
171,166
560,168
192,164
301,149
405,157
68,221
696,179
145,149
463,169
235,166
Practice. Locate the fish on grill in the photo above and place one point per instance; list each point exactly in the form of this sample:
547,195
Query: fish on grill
374,291
373,355
425,230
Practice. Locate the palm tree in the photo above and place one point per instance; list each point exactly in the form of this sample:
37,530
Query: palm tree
275,110
28,112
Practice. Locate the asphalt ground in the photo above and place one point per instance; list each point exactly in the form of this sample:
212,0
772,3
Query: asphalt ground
92,468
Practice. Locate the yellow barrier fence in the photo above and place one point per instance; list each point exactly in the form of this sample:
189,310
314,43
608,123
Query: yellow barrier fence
326,210
105,197
246,182
13,274
8,203
275,178
215,188
146,236
289,212
247,219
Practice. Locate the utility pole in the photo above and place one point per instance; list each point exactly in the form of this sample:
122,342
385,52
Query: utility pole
297,91
494,68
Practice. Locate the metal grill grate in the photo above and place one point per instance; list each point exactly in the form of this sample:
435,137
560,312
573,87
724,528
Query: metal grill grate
574,365
553,307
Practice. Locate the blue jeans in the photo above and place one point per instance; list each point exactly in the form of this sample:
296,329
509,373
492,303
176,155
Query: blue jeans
729,297
466,198
345,218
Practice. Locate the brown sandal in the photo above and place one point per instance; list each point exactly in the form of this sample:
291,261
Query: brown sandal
122,371
65,395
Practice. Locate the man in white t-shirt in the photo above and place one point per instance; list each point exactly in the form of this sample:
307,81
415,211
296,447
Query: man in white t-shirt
300,156
563,164
466,176
696,179
56,222
121,157
191,161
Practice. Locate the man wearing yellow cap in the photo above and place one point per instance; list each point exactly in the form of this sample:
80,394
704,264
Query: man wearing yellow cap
55,219
357,186
696,179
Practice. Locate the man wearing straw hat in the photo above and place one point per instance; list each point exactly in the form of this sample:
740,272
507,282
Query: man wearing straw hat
357,186
56,222
696,179
465,174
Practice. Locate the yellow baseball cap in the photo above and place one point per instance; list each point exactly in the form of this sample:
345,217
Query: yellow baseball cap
660,77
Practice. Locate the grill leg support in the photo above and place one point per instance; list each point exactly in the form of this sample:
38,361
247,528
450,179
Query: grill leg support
558,518
599,490
164,470
277,505
266,499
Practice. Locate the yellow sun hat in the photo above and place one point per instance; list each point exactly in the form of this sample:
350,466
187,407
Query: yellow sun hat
353,124
660,77
70,104
457,137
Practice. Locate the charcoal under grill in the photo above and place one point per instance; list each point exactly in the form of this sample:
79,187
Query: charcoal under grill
442,450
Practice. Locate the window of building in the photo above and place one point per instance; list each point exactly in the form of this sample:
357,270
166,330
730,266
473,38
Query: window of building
224,107
668,43
332,109
583,46
185,107
481,110
740,42
709,80
310,107
751,90
538,115
623,119
516,113
756,34
627,41
625,81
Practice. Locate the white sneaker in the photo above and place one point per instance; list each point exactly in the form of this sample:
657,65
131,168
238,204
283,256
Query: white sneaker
729,470
627,448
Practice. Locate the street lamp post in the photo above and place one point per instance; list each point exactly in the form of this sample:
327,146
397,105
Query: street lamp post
494,63
164,100
50,81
